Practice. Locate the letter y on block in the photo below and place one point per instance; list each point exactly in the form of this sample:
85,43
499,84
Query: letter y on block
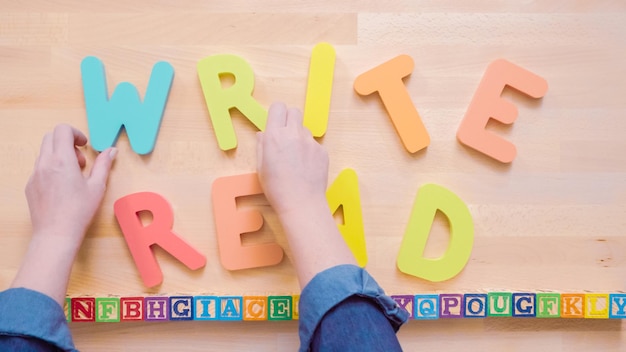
487,104
140,238
141,120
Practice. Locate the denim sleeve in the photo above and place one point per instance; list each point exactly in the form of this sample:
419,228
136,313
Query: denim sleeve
30,320
333,286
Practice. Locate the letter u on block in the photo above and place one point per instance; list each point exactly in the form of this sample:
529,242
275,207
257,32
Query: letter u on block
140,238
431,198
231,223
488,104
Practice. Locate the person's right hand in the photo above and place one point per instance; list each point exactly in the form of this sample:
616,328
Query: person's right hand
62,201
292,166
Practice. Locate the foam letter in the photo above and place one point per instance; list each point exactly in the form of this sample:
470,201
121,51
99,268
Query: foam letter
230,223
139,238
386,79
319,89
220,100
106,117
344,192
488,104
429,199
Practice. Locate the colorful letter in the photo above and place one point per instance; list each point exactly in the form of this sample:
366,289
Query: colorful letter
386,79
140,238
431,198
255,308
319,89
107,310
231,223
597,306
140,119
475,305
426,307
344,193
488,104
618,306
280,307
132,308
524,304
181,308
157,308
500,304
206,307
548,305
450,306
83,309
220,100
405,302
573,305
230,308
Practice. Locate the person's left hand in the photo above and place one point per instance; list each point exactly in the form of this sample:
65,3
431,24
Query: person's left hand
63,201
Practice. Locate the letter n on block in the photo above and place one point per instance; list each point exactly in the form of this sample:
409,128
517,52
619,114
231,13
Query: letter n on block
617,309
426,307
451,306
83,309
231,223
572,305
132,309
524,305
488,104
475,305
140,238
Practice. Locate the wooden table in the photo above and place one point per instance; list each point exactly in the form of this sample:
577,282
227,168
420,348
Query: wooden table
553,219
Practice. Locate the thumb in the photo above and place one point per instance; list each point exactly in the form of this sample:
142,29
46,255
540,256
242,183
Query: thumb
102,166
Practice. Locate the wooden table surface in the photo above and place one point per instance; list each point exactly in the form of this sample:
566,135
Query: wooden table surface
554,219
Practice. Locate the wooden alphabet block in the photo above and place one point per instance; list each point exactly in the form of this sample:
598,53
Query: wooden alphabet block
255,308
499,304
475,305
451,305
132,309
406,302
231,308
107,309
296,307
157,308
618,306
426,307
597,306
280,307
83,309
548,305
181,308
524,304
66,309
206,307
572,305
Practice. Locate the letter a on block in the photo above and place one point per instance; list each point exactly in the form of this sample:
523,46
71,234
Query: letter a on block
106,117
344,192
431,198
319,89
231,223
140,238
220,100
386,79
488,104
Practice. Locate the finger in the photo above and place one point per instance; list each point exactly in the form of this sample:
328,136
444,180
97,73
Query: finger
294,119
65,137
259,150
82,161
46,145
102,167
276,116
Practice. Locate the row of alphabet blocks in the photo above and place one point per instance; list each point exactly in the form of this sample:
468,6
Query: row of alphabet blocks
514,304
116,309
421,306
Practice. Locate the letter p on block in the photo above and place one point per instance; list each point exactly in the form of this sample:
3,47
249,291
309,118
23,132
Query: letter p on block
487,104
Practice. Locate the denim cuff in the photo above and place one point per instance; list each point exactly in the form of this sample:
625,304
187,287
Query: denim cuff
332,286
31,314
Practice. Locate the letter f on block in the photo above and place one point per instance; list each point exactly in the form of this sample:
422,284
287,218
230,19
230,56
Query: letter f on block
140,238
141,120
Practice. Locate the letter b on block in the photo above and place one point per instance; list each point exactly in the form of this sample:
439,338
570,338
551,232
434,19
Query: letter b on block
431,198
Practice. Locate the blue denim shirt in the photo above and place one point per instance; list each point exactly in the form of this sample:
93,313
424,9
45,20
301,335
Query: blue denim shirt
30,320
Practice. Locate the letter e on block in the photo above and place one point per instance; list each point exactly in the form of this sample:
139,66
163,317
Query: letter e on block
488,104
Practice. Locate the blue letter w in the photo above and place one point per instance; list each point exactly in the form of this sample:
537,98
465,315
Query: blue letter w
106,117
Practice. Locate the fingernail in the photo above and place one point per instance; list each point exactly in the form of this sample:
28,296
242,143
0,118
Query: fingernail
113,153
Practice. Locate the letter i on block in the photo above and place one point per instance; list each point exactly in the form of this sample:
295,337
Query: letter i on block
488,104
230,223
344,193
206,307
617,308
386,79
319,89
220,100
140,238
141,120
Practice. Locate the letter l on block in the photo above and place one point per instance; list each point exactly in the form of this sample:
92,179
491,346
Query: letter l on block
140,238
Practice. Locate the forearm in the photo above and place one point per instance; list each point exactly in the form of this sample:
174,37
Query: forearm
314,239
47,266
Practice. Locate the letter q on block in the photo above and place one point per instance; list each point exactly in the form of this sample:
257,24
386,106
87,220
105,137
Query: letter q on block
488,104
